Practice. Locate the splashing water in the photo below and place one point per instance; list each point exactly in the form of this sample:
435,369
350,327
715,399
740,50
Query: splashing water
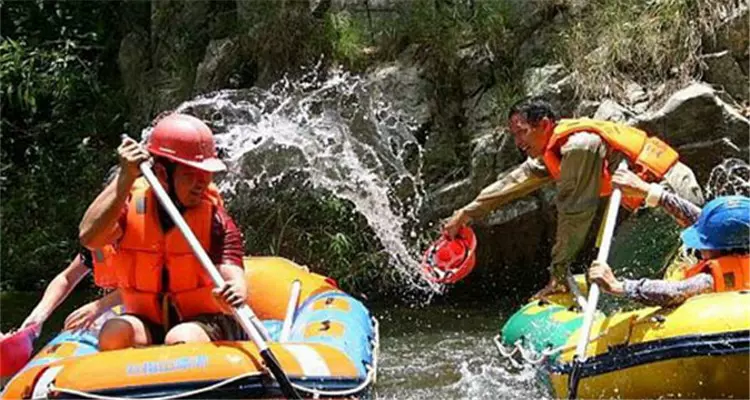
339,132
731,177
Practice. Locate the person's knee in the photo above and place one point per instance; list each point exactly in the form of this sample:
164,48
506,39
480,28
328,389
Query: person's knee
116,334
186,333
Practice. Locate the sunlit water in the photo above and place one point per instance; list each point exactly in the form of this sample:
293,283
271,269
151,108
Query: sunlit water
434,352
344,136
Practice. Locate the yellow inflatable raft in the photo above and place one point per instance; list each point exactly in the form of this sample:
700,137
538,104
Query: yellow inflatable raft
327,345
700,349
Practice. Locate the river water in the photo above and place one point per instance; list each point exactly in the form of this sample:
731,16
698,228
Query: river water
347,139
433,352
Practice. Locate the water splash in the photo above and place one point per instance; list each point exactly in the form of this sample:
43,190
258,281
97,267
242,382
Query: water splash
731,177
340,133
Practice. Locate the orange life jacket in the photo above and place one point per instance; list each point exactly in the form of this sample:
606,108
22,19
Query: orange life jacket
648,157
730,273
104,272
144,251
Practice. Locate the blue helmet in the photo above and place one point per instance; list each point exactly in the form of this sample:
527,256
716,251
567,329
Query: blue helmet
724,223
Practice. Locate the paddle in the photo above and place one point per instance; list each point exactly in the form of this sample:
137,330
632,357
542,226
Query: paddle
243,314
588,317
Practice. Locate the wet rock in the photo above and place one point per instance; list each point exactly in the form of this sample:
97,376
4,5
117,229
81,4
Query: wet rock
553,83
612,111
133,61
405,85
703,156
221,58
635,93
723,71
733,35
477,70
586,108
697,114
492,152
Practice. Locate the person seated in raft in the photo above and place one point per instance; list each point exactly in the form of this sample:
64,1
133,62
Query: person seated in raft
720,234
59,289
167,296
579,155
61,285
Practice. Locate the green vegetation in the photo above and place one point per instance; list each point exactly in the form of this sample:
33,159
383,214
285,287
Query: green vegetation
313,228
649,42
60,114
64,100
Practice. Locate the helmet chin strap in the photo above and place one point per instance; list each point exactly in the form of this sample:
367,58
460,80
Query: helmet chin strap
164,219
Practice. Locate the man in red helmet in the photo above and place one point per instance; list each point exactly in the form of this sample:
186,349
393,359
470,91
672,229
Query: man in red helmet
168,298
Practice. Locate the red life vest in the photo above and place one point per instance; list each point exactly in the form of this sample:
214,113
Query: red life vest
648,157
730,273
144,251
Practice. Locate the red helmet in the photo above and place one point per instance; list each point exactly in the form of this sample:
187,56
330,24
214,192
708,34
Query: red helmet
449,261
187,140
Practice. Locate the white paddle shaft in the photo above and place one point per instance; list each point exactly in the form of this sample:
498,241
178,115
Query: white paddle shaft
593,300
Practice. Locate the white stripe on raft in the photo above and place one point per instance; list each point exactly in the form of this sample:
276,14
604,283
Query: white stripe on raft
309,359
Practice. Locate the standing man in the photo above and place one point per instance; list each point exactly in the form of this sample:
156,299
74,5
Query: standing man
580,156
167,296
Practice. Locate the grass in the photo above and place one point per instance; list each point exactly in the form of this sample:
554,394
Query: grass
649,42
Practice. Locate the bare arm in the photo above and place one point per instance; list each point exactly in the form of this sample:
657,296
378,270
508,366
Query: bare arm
85,315
99,224
57,291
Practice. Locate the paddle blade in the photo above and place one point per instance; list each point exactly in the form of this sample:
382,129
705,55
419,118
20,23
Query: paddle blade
284,383
15,350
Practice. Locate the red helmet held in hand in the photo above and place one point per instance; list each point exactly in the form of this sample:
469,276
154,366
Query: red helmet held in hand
449,261
186,140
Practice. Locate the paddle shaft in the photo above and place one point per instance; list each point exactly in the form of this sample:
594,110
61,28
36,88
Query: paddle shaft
593,299
244,315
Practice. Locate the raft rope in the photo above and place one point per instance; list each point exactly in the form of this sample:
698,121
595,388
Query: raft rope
370,378
533,357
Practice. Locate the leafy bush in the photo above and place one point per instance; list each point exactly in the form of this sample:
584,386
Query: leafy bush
314,228
57,119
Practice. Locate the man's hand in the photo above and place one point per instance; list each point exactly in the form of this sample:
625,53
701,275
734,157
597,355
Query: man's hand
601,274
454,223
553,287
234,292
83,317
131,155
630,183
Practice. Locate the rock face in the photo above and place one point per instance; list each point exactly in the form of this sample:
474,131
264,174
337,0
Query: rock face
221,59
553,83
134,63
703,127
724,71
410,91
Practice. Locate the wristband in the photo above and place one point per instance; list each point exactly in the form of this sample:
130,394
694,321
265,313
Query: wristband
654,195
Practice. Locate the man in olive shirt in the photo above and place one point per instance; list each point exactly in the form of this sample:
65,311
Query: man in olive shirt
586,160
